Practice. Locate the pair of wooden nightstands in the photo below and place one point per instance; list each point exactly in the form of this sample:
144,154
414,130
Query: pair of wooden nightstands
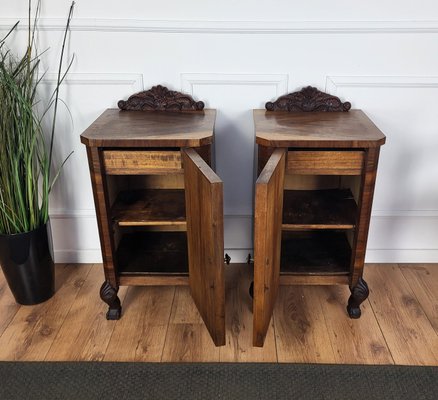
159,204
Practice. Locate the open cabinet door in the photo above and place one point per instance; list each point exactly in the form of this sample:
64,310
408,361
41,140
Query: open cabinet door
267,242
205,238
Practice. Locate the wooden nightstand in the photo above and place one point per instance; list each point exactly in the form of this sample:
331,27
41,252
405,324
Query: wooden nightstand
159,204
314,194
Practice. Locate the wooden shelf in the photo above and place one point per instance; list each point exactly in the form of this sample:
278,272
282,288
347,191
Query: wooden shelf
153,253
150,207
315,253
319,209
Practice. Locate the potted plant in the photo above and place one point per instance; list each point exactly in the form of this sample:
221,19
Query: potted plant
26,176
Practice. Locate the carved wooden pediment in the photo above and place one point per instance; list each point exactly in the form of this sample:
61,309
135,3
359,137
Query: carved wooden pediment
160,98
308,99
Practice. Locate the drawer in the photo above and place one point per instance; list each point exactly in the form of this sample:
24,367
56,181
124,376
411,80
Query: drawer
142,162
303,162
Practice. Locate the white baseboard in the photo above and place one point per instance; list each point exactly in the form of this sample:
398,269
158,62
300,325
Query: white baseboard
240,255
78,256
402,256
87,256
76,239
408,237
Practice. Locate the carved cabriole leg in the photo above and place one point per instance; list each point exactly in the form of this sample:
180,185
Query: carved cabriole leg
101,202
359,294
251,289
108,291
109,295
358,286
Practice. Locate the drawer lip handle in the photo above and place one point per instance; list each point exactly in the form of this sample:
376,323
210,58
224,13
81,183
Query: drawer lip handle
325,162
119,162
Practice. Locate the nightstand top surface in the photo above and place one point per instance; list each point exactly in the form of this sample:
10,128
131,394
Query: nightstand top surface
115,128
316,129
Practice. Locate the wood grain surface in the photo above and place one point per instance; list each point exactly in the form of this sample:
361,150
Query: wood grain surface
409,333
85,332
267,242
423,280
150,207
300,329
205,239
239,318
115,128
102,206
324,162
309,324
142,335
187,338
31,332
351,129
142,162
360,239
346,336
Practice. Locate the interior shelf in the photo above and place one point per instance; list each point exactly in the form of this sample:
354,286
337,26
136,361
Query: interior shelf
315,253
319,209
141,253
158,207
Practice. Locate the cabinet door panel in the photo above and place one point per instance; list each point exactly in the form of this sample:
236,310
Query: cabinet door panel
205,238
267,241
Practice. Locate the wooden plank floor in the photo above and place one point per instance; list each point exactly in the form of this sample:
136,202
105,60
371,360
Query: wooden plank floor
399,323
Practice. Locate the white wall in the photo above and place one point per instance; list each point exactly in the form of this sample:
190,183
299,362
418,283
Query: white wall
236,55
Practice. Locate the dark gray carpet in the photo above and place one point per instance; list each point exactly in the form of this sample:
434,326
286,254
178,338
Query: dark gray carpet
105,381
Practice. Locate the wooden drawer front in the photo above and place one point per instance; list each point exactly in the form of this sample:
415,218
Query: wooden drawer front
325,162
142,162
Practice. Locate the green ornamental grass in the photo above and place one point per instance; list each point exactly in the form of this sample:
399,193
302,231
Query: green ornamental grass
26,177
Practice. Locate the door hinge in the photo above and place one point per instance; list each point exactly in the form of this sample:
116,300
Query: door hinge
227,259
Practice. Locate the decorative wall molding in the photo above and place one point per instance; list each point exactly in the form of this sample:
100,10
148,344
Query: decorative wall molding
387,82
78,213
413,82
135,81
415,222
190,80
238,246
405,213
229,27
75,232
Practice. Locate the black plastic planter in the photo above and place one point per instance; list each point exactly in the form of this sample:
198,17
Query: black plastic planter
27,264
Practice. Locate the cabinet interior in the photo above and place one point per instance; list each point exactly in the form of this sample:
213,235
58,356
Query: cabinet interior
319,220
149,226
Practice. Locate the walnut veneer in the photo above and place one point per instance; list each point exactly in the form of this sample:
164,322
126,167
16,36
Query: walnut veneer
159,204
317,164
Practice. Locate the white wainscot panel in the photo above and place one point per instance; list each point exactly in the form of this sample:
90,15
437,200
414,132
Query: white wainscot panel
72,214
199,26
404,225
235,96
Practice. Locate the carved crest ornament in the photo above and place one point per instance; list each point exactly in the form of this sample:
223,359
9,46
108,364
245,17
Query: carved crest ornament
160,98
308,99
